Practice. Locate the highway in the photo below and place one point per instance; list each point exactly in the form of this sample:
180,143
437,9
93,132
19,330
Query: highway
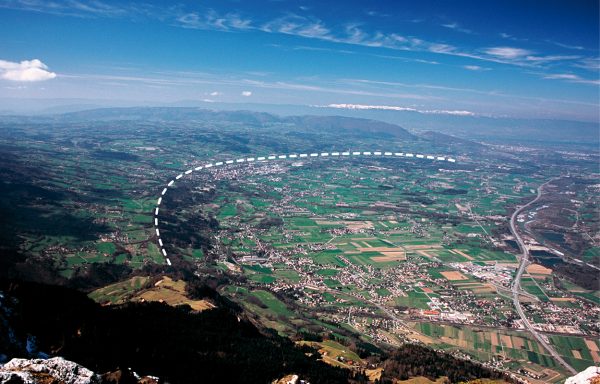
516,284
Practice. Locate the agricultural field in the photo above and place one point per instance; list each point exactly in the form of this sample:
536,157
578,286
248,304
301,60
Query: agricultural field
514,349
361,239
142,289
334,353
381,248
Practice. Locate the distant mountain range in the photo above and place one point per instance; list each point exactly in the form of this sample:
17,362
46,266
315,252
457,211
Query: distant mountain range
253,119
490,129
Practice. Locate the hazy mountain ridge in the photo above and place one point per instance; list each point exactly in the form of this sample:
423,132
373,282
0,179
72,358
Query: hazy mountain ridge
250,118
501,128
441,138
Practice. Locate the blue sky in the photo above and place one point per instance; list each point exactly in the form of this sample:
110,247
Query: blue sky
502,58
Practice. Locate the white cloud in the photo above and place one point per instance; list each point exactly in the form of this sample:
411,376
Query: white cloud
363,106
211,19
447,112
398,108
590,63
75,8
572,78
508,36
457,27
562,76
303,25
17,88
508,52
520,56
351,33
298,26
215,93
475,68
567,46
246,93
551,58
442,48
27,70
292,24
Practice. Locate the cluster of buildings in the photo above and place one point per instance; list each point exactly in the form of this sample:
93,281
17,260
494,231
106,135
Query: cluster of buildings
346,284
498,274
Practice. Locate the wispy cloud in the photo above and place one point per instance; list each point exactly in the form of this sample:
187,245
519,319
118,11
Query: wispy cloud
562,76
552,58
526,57
377,14
352,34
508,36
210,20
355,34
547,41
304,25
183,79
351,52
455,26
16,88
567,46
589,63
508,53
290,24
397,108
246,93
336,89
492,93
297,25
572,78
76,8
25,71
475,68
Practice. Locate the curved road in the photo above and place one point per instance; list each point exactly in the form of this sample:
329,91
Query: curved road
516,284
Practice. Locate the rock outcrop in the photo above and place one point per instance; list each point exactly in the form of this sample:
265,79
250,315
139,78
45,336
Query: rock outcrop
46,371
589,376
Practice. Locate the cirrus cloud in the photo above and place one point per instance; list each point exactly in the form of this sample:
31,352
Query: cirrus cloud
508,52
474,68
246,93
572,78
25,71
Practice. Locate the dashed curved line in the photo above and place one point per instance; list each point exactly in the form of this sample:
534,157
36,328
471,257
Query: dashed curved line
278,157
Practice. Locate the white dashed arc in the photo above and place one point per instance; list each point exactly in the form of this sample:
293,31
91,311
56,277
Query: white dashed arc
278,157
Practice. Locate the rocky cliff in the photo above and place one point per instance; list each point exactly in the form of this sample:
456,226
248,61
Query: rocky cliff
46,371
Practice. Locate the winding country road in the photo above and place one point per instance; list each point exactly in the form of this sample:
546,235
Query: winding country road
516,284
